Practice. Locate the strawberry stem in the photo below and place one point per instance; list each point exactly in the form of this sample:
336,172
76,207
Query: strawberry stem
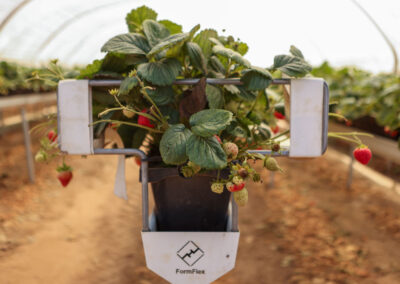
127,123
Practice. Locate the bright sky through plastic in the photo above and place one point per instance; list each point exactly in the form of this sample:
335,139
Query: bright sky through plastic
75,30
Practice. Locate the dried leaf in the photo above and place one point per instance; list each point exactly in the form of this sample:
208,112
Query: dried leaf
193,101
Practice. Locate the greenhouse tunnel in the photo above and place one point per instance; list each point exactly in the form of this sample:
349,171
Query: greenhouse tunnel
35,31
214,141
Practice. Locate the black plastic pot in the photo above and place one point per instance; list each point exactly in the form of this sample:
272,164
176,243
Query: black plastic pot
188,204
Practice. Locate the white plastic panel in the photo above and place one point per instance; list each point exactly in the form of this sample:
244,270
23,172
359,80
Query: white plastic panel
306,117
190,257
74,116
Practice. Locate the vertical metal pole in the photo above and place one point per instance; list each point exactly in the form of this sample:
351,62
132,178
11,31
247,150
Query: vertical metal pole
28,151
1,123
145,196
271,179
235,215
350,174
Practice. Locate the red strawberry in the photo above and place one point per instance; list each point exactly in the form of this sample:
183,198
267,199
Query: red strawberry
348,122
142,120
275,129
239,186
278,115
219,139
52,135
64,174
138,161
362,154
234,187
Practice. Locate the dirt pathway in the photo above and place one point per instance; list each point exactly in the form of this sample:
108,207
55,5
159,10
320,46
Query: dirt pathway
305,230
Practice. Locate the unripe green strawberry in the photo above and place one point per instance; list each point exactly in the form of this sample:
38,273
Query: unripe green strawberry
41,156
190,169
243,173
231,150
271,164
128,113
241,197
256,177
196,168
237,180
217,187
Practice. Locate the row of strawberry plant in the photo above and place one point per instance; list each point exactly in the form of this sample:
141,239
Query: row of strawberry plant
358,94
19,79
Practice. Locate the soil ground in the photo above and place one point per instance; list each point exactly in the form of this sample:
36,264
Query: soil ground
306,229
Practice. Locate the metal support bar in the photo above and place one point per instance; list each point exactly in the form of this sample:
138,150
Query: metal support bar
350,174
1,123
211,81
270,152
271,179
235,216
28,151
325,118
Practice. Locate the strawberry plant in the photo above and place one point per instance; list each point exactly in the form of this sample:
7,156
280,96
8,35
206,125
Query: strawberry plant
197,127
358,93
200,126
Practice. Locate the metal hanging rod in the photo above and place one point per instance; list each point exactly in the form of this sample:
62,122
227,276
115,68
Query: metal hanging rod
211,81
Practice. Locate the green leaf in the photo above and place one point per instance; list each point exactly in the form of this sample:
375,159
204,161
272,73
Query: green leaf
194,30
216,65
160,73
127,44
162,95
233,55
196,56
114,62
154,31
171,26
136,17
242,48
171,113
215,41
127,85
208,122
90,70
202,39
254,117
296,52
236,130
206,152
292,66
256,78
138,136
232,89
246,94
168,42
173,144
215,97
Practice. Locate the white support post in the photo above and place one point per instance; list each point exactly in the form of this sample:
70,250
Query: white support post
75,117
28,151
306,117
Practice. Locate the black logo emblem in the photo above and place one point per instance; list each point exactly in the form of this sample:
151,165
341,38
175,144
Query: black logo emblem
190,253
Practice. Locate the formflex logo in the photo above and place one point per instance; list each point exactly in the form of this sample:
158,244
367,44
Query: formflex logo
190,253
